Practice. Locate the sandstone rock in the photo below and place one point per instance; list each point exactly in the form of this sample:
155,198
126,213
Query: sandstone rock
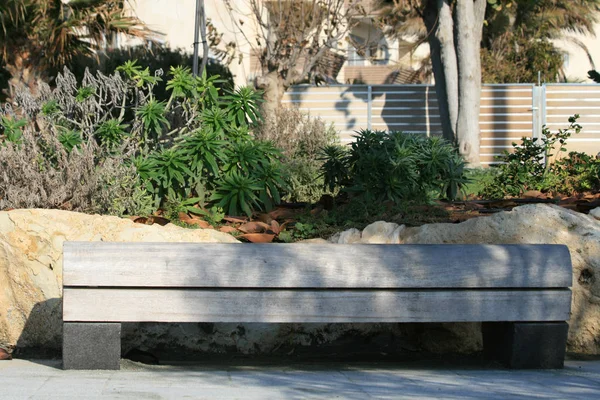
382,232
595,213
31,265
315,240
351,235
180,341
539,223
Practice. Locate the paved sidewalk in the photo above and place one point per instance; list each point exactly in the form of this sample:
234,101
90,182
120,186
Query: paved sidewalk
33,379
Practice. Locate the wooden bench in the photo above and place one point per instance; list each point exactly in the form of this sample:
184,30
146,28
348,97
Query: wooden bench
520,292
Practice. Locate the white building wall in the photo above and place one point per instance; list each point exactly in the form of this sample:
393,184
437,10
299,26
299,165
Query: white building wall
175,20
577,62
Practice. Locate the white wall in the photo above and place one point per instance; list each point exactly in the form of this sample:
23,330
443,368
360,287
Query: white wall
174,19
577,62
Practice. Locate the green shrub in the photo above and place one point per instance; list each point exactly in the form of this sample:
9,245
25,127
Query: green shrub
236,173
216,160
535,164
304,179
194,144
11,129
395,166
576,173
478,179
121,191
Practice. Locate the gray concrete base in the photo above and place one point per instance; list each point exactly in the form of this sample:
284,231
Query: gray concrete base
91,345
44,380
526,344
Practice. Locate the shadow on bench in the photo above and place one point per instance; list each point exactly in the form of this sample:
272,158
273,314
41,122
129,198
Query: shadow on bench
520,292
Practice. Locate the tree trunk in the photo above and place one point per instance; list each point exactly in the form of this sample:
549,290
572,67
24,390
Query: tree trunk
455,55
438,19
273,87
468,42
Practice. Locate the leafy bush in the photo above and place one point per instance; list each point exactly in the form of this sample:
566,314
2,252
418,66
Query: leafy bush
194,144
395,166
301,139
121,191
304,179
519,59
576,173
536,165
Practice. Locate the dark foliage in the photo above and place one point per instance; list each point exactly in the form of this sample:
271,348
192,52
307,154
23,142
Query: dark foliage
155,59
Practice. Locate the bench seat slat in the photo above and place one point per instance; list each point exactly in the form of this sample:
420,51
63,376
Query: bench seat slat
251,305
315,265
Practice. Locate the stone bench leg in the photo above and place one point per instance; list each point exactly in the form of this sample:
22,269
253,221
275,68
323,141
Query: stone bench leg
526,344
91,345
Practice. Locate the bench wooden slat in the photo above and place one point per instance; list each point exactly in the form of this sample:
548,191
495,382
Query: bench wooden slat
315,265
251,305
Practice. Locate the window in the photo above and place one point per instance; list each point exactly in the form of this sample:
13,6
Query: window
353,57
376,52
355,50
380,54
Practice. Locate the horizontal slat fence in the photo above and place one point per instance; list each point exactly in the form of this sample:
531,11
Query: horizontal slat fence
508,112
565,100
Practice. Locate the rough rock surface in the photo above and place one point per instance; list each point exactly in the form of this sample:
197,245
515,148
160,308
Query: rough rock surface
534,223
541,224
595,213
382,232
352,235
31,265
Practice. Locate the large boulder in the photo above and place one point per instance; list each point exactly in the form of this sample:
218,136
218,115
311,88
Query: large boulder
535,223
31,265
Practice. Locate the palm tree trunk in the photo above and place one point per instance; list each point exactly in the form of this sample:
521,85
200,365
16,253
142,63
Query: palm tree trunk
22,73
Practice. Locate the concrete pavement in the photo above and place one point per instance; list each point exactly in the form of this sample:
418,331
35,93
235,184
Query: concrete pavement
44,379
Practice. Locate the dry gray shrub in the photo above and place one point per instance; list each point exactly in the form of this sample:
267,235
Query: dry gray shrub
298,134
301,137
40,173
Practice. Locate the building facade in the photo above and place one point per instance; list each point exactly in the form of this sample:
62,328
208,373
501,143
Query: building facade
367,55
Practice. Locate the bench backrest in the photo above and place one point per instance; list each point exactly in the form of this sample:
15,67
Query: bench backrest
209,282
